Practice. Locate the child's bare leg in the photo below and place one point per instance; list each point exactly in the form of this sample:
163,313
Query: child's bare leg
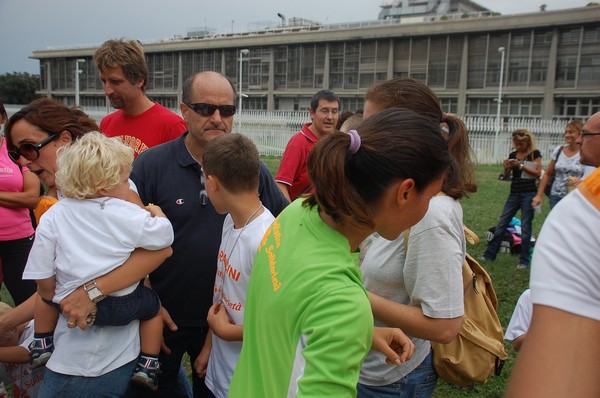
151,332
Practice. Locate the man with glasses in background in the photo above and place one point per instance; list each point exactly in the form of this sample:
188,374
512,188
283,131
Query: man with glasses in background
292,176
138,121
170,176
565,286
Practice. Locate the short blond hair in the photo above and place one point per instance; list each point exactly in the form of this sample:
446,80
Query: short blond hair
524,135
91,163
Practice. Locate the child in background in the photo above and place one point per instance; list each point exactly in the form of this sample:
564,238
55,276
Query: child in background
520,320
48,197
87,234
14,358
230,165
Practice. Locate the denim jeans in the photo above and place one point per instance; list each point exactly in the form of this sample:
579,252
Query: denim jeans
419,383
111,384
515,202
554,199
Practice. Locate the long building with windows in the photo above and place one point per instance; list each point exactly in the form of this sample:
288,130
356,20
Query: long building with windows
551,63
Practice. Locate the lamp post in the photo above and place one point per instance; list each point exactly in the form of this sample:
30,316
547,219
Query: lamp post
243,52
77,72
501,50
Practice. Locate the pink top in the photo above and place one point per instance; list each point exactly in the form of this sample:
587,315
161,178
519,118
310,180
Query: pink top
14,223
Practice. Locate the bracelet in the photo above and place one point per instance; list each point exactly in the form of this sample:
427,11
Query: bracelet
91,318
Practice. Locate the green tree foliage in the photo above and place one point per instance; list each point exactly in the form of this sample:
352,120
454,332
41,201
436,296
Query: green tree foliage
18,87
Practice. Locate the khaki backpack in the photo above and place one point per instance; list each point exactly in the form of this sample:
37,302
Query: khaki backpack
478,350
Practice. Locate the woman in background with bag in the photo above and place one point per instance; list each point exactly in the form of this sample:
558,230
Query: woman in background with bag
415,282
525,164
564,171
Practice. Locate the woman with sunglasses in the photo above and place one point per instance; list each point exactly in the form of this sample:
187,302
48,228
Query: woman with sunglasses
19,189
525,164
34,135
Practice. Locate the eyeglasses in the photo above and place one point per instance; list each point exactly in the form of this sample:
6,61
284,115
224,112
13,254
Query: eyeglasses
519,134
327,111
587,133
203,109
30,151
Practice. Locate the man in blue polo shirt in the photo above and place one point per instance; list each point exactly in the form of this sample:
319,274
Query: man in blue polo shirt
170,176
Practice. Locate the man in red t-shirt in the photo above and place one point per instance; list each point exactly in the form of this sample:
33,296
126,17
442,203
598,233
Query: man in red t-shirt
138,121
292,176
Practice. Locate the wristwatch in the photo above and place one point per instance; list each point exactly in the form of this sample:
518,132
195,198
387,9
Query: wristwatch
93,292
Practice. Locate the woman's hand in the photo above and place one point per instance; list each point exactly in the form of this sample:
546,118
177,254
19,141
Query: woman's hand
537,201
394,344
77,306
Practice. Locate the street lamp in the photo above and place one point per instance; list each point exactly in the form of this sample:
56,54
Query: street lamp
77,72
243,52
501,50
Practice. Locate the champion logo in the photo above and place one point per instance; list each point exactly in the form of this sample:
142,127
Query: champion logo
179,201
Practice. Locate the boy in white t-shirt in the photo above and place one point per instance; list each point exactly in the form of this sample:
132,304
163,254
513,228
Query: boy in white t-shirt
14,358
230,166
90,232
520,320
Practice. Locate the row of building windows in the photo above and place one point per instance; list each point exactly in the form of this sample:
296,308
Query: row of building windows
357,64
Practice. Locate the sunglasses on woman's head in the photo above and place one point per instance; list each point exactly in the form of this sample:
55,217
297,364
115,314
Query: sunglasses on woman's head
203,109
30,151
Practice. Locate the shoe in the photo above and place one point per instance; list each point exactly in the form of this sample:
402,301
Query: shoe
40,351
522,266
146,372
484,258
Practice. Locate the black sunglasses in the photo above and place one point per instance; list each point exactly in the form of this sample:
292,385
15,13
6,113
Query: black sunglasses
30,151
208,109
518,134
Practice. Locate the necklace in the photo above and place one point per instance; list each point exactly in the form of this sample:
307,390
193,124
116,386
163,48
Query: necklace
242,230
218,297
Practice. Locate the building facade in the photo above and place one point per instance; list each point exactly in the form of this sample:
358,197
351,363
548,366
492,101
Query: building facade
551,63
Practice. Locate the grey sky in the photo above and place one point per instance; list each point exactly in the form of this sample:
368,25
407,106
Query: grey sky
28,25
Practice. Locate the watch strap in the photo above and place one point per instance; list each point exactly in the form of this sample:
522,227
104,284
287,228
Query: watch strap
93,292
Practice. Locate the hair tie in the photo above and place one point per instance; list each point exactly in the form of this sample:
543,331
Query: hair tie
354,142
444,117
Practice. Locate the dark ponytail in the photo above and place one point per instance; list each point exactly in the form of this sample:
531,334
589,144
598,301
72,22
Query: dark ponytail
395,144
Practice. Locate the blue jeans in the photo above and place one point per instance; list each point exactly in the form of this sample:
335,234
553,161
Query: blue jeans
554,200
419,383
514,202
111,384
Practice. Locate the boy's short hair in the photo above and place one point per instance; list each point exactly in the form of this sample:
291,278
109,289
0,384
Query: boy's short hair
234,160
91,163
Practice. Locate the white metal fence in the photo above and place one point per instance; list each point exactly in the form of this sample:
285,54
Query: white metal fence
271,130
